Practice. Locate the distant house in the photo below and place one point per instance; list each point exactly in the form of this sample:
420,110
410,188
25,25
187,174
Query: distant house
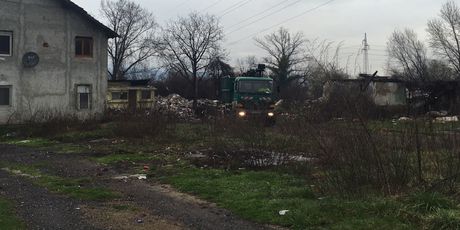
383,91
53,59
418,97
130,95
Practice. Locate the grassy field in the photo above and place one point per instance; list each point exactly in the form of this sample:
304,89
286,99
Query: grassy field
260,193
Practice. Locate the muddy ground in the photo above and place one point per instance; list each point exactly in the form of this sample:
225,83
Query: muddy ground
145,204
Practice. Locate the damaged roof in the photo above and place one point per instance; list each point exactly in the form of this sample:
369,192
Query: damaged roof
68,4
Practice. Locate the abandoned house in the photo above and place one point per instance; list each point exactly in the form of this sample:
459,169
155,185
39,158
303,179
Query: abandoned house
130,95
417,97
53,60
383,91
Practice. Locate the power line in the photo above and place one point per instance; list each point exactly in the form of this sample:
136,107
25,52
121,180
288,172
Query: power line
266,16
212,5
260,13
241,5
180,4
287,20
233,7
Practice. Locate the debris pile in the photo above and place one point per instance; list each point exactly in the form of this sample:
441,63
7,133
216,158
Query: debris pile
175,105
183,109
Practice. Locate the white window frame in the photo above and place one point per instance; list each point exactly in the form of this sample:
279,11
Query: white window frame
79,90
10,91
10,34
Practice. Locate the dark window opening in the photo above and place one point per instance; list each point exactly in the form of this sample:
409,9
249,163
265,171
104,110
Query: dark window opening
5,95
84,97
146,95
119,95
6,46
83,47
84,100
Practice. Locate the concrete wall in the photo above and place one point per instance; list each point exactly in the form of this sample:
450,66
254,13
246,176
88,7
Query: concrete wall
381,93
50,87
389,93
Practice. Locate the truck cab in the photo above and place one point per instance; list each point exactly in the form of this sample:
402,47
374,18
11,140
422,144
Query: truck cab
250,96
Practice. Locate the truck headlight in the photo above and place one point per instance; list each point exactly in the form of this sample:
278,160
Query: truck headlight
242,114
271,114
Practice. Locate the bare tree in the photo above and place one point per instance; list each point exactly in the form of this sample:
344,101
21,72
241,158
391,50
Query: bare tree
247,63
410,55
445,34
285,52
322,64
189,44
136,27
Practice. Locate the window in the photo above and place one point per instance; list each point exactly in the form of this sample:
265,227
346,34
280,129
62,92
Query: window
146,95
119,95
6,43
84,47
5,95
255,86
84,97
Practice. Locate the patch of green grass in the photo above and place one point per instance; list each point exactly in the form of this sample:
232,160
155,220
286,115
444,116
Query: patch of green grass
77,136
259,196
75,188
424,202
8,219
68,148
32,143
444,219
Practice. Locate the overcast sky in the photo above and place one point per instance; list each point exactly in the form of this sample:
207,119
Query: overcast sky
335,20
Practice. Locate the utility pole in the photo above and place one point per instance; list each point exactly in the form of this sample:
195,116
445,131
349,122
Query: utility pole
366,54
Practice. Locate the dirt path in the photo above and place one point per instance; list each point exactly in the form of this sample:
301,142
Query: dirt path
40,209
152,206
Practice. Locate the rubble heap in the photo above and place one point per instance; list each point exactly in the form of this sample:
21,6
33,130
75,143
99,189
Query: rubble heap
175,105
183,109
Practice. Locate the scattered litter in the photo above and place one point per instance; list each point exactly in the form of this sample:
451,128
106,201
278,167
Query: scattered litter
19,173
11,134
135,176
146,168
143,177
121,178
24,141
405,119
437,113
118,141
447,119
77,208
283,212
140,221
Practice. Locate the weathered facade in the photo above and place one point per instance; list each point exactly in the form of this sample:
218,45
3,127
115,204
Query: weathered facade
130,95
382,91
53,59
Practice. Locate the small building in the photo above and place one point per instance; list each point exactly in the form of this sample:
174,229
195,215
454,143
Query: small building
130,95
383,91
53,60
418,97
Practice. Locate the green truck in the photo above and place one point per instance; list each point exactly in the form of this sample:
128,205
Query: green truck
249,97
